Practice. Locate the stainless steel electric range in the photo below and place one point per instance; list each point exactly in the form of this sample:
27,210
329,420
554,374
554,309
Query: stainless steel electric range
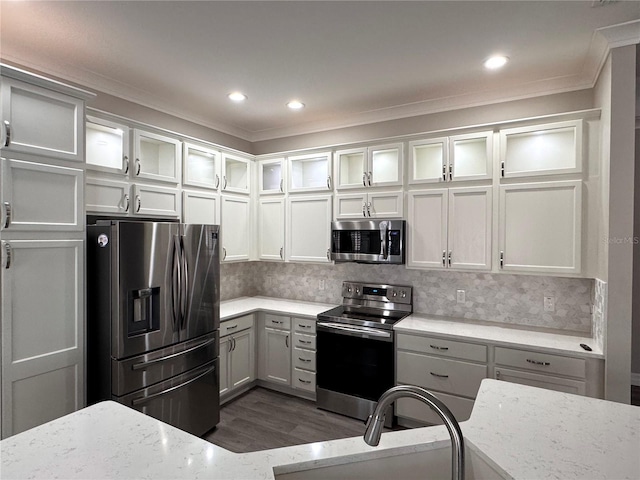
355,347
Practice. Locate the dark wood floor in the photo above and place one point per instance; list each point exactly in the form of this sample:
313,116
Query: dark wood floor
263,419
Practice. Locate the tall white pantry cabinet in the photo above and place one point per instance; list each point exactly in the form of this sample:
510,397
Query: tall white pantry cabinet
42,246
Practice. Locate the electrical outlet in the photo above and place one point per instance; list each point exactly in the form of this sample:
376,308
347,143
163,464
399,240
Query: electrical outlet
270,280
321,284
460,296
549,304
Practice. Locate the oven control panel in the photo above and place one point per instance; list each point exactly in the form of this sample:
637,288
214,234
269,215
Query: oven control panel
382,293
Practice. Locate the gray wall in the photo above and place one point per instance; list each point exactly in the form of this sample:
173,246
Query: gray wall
635,334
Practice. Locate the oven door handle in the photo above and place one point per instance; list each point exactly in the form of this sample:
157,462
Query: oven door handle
363,332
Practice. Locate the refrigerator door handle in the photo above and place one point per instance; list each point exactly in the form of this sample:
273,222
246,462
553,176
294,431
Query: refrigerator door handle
175,285
145,399
184,287
141,365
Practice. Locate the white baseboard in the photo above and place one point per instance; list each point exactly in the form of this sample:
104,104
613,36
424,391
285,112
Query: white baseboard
635,379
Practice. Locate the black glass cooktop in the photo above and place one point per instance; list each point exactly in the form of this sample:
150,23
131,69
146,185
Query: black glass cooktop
366,317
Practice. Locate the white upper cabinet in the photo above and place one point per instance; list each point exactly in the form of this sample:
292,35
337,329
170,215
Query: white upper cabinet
104,195
157,157
310,172
107,146
236,173
540,227
200,207
471,156
235,219
370,167
429,161
40,121
369,205
450,228
271,228
155,201
541,149
308,228
201,167
271,176
451,159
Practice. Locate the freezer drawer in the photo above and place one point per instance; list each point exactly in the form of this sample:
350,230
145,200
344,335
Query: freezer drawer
189,401
153,367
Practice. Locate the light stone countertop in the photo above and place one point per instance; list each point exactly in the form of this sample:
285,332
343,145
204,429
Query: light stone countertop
524,432
454,329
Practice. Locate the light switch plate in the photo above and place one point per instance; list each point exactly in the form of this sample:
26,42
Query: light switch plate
549,304
460,296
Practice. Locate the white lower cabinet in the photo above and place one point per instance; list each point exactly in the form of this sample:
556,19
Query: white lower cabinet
42,331
275,349
235,219
541,227
237,354
308,237
304,354
200,207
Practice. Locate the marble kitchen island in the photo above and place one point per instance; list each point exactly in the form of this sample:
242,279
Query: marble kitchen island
522,432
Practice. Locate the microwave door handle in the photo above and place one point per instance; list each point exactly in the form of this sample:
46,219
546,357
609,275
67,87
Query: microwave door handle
384,235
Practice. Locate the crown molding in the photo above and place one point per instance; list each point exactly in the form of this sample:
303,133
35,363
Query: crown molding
622,34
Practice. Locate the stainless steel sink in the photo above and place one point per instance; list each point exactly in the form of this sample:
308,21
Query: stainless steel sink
384,465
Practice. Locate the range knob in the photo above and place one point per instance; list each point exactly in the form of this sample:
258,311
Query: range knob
404,294
395,294
357,291
349,289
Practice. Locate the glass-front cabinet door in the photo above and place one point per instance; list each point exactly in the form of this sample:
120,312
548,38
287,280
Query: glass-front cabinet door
310,172
236,171
351,168
271,176
470,156
428,160
201,167
157,157
385,165
107,145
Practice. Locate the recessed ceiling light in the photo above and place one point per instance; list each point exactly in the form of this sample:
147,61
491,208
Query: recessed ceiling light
237,96
295,105
495,62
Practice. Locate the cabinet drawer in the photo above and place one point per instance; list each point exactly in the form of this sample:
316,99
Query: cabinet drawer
451,376
277,321
549,382
541,362
442,347
236,325
304,380
304,341
304,359
304,325
416,410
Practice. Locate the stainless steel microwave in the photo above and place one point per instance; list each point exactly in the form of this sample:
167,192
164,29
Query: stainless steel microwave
368,241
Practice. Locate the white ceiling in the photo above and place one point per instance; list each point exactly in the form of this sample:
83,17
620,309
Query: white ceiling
349,62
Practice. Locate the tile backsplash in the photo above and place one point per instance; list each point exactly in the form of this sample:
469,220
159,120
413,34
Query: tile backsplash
600,313
509,299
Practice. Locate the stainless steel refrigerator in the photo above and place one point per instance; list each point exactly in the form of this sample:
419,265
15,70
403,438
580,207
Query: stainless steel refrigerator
153,317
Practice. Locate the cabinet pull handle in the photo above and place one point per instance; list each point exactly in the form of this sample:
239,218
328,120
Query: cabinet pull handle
501,259
364,179
231,327
306,360
364,205
217,184
329,182
305,326
281,253
224,253
329,254
444,173
450,172
444,258
449,258
286,341
435,347
304,381
306,342
282,185
538,362
126,205
498,374
369,208
139,202
277,322
502,168
126,164
137,167
7,133
7,249
439,375
230,344
7,214
224,182
369,176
